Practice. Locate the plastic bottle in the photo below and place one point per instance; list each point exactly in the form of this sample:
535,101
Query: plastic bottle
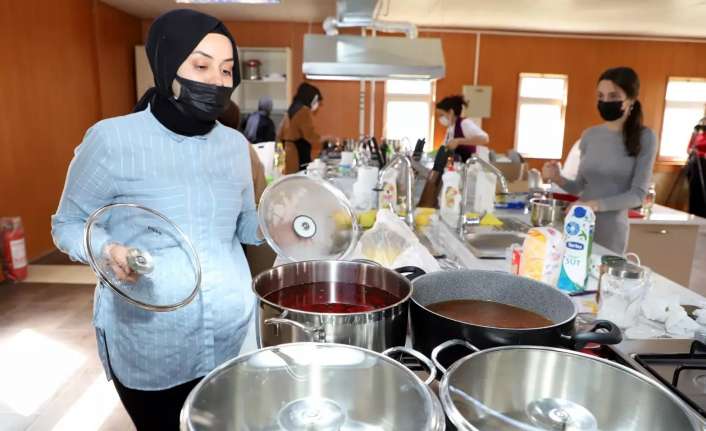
578,240
387,199
450,198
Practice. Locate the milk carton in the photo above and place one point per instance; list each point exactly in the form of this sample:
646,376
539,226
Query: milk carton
578,239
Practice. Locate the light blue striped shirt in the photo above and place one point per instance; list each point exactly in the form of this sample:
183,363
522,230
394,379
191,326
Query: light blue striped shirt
204,185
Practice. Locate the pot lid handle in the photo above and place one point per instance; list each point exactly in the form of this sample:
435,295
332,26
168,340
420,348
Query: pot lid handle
421,358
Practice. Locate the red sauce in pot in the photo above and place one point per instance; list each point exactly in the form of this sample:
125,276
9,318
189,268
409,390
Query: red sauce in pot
325,297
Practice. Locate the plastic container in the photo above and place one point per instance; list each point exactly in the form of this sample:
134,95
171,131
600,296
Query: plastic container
450,198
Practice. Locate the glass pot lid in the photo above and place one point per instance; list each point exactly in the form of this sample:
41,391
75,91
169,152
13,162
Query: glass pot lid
144,257
311,386
542,388
305,218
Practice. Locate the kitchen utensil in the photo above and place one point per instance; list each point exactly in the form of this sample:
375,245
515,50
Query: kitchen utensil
313,386
624,286
430,329
606,261
333,282
164,266
548,212
252,69
541,388
306,218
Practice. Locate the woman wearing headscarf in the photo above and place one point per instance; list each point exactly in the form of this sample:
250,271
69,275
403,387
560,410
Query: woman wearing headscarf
172,156
301,140
259,127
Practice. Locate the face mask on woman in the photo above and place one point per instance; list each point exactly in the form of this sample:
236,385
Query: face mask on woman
611,111
444,120
204,101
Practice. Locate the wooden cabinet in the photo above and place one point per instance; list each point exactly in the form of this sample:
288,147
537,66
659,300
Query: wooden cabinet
666,248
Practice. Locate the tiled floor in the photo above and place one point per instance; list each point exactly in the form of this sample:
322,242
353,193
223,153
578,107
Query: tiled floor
50,378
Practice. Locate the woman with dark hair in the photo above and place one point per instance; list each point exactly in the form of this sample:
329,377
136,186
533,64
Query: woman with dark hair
462,134
172,156
696,170
302,142
616,160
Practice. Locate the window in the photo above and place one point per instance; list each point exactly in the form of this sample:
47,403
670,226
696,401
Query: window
408,112
684,106
541,105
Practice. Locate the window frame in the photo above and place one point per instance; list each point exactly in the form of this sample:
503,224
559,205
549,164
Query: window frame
404,97
541,101
677,104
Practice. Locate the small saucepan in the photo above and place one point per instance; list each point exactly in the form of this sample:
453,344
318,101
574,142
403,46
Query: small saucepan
489,322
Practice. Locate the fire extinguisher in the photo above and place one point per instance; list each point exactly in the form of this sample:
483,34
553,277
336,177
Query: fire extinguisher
13,248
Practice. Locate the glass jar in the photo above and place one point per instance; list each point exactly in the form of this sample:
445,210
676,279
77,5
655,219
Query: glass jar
623,290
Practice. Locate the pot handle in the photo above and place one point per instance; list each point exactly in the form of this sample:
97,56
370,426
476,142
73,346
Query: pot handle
613,336
315,334
411,272
445,345
420,357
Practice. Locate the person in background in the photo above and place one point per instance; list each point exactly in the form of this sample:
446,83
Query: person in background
696,170
258,126
462,134
231,118
302,143
172,156
616,159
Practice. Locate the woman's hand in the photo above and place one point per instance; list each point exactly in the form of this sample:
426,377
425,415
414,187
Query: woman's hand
551,171
453,144
117,259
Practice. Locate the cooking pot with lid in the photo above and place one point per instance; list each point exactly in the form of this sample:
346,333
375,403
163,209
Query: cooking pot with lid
313,386
543,388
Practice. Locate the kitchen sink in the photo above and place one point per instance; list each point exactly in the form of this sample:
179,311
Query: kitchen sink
492,245
492,242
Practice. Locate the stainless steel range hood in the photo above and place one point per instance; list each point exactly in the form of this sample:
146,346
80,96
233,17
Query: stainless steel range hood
377,58
333,56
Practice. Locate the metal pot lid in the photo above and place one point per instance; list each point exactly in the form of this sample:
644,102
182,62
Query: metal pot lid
543,388
305,218
311,386
144,257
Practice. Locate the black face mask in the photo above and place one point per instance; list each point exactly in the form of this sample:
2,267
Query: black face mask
611,111
205,102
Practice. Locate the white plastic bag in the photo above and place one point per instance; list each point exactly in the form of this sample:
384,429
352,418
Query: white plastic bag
392,244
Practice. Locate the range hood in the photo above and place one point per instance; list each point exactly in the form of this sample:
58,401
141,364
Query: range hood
349,57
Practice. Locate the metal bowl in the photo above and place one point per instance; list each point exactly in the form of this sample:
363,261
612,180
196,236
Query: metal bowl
548,212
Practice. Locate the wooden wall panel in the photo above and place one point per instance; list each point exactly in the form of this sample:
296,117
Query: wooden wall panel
116,35
50,85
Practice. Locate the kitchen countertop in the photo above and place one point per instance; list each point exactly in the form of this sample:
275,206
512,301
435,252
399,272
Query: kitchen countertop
665,215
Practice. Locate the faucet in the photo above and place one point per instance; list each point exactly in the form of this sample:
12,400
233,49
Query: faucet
464,196
406,160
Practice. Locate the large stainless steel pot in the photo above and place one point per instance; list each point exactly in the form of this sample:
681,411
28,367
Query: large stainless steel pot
313,386
541,388
376,330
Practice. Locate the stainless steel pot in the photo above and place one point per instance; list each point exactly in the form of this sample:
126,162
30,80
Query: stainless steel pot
548,212
376,330
541,388
313,386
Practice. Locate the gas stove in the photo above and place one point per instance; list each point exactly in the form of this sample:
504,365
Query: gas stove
678,365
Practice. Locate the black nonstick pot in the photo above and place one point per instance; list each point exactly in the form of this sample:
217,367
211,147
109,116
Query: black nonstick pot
430,329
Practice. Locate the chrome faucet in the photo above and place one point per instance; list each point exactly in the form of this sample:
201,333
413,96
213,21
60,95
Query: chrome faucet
464,196
406,160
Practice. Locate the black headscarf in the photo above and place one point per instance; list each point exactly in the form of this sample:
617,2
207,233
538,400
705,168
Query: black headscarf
171,39
304,97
